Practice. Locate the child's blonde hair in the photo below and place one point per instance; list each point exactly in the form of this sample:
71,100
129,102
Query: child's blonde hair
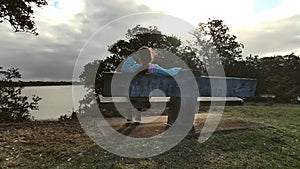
149,56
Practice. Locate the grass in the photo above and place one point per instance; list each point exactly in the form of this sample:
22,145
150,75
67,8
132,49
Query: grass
261,148
274,146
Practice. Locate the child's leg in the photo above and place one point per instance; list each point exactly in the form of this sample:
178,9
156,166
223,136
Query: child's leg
174,108
138,116
141,104
129,114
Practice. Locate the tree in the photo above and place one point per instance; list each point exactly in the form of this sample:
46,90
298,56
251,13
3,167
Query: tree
279,75
212,39
19,14
245,68
13,106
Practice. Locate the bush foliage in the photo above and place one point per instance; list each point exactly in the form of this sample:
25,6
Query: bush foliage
14,107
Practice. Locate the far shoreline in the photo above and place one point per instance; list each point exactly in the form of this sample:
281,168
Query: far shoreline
38,83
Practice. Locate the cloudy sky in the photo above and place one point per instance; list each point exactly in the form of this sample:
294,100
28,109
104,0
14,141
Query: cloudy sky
75,32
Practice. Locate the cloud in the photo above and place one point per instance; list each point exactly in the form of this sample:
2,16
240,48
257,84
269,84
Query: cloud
52,54
264,28
199,11
272,37
66,26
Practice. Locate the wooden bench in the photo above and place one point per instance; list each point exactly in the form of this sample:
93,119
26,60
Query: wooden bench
142,85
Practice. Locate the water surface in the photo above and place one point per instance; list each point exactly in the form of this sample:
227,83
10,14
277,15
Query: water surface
56,100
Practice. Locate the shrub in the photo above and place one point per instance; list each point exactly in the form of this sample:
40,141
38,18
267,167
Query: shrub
14,107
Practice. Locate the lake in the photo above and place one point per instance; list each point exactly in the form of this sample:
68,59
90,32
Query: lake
56,100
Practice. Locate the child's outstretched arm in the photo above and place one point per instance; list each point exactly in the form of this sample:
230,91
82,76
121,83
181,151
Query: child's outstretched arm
130,65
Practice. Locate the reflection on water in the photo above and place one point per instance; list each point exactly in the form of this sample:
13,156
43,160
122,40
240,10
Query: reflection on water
56,100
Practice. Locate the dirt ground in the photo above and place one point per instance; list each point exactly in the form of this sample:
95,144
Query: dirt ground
24,139
152,126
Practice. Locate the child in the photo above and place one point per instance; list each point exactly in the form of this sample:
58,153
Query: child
142,61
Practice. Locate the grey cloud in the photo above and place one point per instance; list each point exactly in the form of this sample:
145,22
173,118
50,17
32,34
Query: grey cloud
272,36
53,53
